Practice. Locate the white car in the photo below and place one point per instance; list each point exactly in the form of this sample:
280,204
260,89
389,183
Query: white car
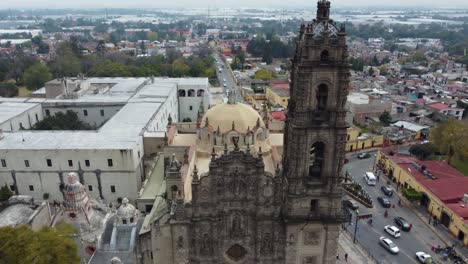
423,257
389,245
392,230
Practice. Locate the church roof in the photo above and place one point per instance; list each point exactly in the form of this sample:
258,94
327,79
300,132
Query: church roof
223,116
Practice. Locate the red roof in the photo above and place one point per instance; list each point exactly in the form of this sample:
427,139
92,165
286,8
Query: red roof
449,187
441,106
280,86
278,115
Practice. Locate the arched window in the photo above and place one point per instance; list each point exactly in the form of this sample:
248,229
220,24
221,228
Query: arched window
191,93
181,93
316,159
322,97
200,93
174,191
324,56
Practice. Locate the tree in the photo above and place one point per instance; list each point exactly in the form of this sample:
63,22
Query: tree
152,36
48,245
8,89
66,63
264,74
385,118
36,76
450,138
371,71
422,151
179,68
5,194
62,121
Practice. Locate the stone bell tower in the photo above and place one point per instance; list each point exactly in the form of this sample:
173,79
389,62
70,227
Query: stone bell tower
314,140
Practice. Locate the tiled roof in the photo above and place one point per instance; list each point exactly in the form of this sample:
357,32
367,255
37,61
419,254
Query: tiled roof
449,186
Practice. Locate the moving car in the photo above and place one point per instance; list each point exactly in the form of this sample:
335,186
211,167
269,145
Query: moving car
370,178
389,245
387,190
424,257
384,201
351,204
402,223
224,84
363,155
392,230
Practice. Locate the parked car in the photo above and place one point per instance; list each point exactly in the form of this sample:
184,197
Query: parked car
363,155
224,84
384,201
392,230
351,204
424,257
402,223
389,245
387,190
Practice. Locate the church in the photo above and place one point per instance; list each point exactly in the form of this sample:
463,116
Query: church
231,192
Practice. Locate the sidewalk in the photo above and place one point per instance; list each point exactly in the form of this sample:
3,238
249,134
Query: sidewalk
356,254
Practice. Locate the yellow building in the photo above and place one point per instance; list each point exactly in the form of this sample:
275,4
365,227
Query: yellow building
278,94
358,141
444,190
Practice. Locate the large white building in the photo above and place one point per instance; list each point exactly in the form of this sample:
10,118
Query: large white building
108,160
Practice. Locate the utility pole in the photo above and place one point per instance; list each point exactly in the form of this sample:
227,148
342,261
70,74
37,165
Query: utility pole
358,216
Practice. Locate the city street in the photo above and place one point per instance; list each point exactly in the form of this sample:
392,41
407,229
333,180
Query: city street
420,238
226,75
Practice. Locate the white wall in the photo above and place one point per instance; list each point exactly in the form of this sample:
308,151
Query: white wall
125,174
93,116
169,107
26,119
186,102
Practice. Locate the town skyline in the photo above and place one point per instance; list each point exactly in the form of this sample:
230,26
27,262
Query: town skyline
56,4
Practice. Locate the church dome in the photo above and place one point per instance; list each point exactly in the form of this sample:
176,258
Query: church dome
126,210
224,115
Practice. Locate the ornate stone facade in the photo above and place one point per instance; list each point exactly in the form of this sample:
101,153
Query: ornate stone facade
230,201
314,139
235,212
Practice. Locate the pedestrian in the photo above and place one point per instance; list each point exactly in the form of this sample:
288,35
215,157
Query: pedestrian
346,257
337,256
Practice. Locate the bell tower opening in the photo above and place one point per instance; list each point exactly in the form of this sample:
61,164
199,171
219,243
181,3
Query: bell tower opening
324,56
316,159
322,97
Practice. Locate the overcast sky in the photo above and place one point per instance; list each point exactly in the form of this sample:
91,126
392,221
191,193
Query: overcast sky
220,3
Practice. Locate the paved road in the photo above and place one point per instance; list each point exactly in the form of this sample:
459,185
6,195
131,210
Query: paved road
420,238
225,77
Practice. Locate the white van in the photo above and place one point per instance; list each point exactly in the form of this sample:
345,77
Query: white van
370,178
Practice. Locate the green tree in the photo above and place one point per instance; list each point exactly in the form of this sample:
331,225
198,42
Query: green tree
109,68
5,194
264,74
36,76
179,68
385,118
450,138
418,56
152,36
8,89
66,64
371,71
46,246
62,121
422,151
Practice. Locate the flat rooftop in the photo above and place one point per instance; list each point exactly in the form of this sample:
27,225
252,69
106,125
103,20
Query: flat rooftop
9,110
142,99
